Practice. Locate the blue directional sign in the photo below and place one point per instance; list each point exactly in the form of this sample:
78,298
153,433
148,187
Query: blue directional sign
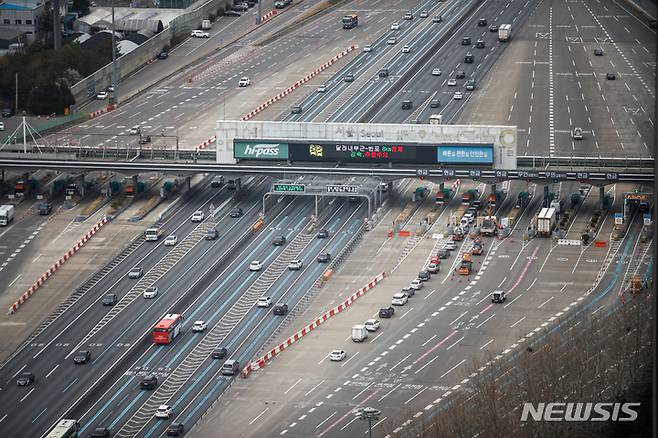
465,154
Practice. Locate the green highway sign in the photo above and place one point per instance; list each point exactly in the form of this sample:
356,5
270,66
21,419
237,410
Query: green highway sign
260,151
288,188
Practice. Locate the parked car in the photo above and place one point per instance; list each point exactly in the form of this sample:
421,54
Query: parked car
450,245
409,291
433,268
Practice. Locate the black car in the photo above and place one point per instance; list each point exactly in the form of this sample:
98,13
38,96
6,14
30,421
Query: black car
45,208
231,13
279,241
407,105
323,234
82,356
598,51
163,55
610,76
493,28
149,382
175,429
468,58
324,257
236,212
7,112
460,75
25,379
231,185
443,253
349,77
101,432
480,44
296,110
482,22
280,309
110,299
424,275
466,41
383,72
477,204
435,103
386,312
219,353
212,234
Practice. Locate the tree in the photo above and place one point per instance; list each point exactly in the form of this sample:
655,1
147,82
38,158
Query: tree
81,6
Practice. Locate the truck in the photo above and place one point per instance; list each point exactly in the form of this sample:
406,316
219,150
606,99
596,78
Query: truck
557,205
6,214
469,196
206,25
443,195
153,234
436,119
359,333
350,21
504,32
546,221
489,226
19,188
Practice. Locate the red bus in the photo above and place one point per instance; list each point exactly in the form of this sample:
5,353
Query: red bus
167,329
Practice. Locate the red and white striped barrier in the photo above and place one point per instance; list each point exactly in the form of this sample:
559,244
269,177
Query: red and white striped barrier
456,185
100,112
262,361
46,275
269,15
297,84
206,143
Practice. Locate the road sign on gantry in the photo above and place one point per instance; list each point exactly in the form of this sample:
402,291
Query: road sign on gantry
427,146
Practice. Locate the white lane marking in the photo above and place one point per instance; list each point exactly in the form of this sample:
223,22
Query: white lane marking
350,358
484,346
512,326
294,384
448,372
258,416
313,389
423,367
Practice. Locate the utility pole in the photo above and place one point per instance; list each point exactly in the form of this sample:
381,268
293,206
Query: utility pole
260,11
115,76
57,24
16,110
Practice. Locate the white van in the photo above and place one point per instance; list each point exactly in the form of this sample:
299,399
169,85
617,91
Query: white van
152,234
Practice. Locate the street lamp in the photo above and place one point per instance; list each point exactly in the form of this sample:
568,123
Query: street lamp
369,414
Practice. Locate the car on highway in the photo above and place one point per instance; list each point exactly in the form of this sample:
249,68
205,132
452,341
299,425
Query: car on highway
477,249
598,51
435,103
337,355
383,72
110,88
322,89
82,357
466,41
199,34
577,133
7,112
102,95
452,82
211,234
255,265
458,95
406,49
2,126
395,26
150,292
416,283
219,353
135,130
244,82
149,382
101,432
400,299
437,19
436,72
296,110
295,265
392,40
175,429
164,411
235,212
482,22
171,240
408,16
163,55
433,267
324,257
450,245
443,253
477,204
479,44
372,325
264,302
460,74
135,272
279,240
424,275
367,48
199,326
25,378
198,216
349,77
386,312
424,13
322,234
610,76
407,105
493,28
498,296
468,58
231,367
110,300
409,291
280,309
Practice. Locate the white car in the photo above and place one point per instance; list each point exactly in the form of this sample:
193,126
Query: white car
367,48
469,217
151,292
2,126
372,325
164,411
417,284
199,326
436,72
322,89
337,355
171,240
450,245
424,14
102,95
392,40
406,49
264,302
200,34
244,82
295,265
256,265
198,216
395,26
433,268
135,130
452,82
458,95
399,299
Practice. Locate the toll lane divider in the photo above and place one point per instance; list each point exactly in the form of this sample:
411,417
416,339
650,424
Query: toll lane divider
298,84
269,15
262,361
100,112
46,275
206,143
